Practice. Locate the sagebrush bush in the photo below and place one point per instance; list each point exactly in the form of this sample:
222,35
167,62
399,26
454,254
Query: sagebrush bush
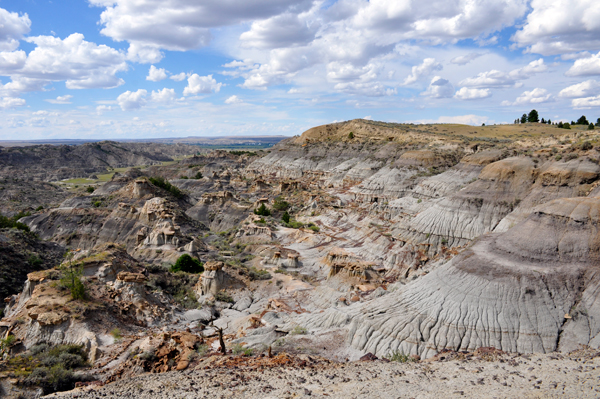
55,367
280,204
400,357
223,296
256,274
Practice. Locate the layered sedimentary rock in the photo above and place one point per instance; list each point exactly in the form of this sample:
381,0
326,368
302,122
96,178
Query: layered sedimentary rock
213,278
219,210
143,224
282,258
530,289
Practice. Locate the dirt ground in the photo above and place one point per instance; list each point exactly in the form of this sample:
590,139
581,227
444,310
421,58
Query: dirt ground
451,375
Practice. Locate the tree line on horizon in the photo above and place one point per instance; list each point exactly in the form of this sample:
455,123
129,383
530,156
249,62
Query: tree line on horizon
533,117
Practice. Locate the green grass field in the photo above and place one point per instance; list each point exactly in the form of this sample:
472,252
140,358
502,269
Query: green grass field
104,177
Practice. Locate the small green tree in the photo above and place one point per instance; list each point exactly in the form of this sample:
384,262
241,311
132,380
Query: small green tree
533,116
524,118
350,135
198,176
582,120
262,210
71,277
598,122
286,218
591,126
187,264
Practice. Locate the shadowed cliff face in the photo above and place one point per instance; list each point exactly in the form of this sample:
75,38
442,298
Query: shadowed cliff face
21,253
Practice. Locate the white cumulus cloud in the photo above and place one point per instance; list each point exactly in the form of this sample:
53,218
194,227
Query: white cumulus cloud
465,93
439,88
428,66
588,102
11,102
81,64
233,100
66,99
12,29
535,96
585,66
201,85
132,100
164,96
561,26
495,78
179,25
156,74
178,77
588,88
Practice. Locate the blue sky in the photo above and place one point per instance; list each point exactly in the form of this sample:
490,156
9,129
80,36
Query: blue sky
178,68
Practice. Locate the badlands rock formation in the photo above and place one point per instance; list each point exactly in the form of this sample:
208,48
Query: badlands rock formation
397,240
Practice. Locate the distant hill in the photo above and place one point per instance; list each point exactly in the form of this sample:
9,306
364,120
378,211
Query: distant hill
56,162
208,141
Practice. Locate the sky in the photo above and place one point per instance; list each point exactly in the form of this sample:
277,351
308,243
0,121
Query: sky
116,69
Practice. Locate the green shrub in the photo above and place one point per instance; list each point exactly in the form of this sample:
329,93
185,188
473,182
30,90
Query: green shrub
165,185
399,357
262,210
298,330
39,208
256,274
183,177
35,261
350,135
54,379
314,228
570,157
198,176
223,296
97,203
5,344
116,333
280,205
202,349
237,349
586,145
90,189
285,218
294,224
56,365
187,264
6,222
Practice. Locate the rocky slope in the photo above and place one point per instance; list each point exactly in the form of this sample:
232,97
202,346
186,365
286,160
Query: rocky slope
21,253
